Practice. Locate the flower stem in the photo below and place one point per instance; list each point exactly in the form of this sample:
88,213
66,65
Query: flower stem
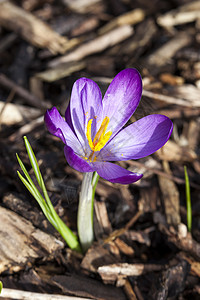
85,210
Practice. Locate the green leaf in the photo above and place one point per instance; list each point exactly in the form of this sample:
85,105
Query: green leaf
188,200
1,286
34,191
45,204
33,161
38,197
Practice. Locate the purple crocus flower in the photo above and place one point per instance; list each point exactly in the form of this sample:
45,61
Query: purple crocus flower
93,131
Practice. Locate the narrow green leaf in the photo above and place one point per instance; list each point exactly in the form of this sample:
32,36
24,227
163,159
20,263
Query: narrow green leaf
33,161
36,192
45,204
38,197
188,200
65,232
1,286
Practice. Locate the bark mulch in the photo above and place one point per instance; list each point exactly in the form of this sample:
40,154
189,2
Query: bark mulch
143,249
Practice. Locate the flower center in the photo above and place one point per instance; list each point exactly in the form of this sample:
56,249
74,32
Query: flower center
101,137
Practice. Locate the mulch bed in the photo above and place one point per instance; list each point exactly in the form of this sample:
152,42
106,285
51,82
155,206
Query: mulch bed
142,247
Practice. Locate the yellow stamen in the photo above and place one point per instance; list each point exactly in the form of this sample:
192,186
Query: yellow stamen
88,134
100,138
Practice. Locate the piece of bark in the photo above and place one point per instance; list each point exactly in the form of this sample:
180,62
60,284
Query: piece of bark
32,29
140,237
150,197
170,196
60,71
169,99
19,205
82,6
187,244
77,285
7,41
65,26
179,113
89,24
168,78
110,273
26,128
193,134
140,41
36,88
102,225
96,256
194,265
20,91
121,231
188,92
98,44
25,295
21,242
124,248
171,282
162,56
12,114
184,14
176,179
173,152
129,290
131,18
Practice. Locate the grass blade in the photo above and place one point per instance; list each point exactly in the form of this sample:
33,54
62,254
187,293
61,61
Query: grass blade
188,200
1,286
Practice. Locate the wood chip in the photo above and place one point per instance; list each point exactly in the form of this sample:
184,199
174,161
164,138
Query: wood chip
25,295
81,6
140,40
21,242
124,248
32,29
184,14
170,99
168,78
171,282
22,92
77,285
111,272
187,244
173,152
130,18
170,196
60,71
96,45
193,134
96,256
188,92
26,128
164,54
11,114
102,225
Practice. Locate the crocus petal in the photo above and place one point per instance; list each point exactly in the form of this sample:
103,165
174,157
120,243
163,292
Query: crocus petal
85,104
139,139
68,118
58,127
122,98
115,173
76,161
